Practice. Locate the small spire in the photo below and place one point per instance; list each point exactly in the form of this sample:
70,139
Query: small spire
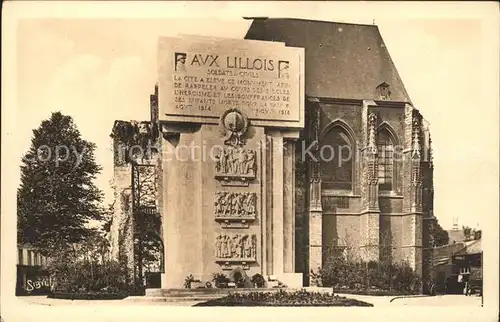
372,145
416,145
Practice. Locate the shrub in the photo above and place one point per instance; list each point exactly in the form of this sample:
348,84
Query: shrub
220,280
190,279
362,276
88,276
240,278
258,280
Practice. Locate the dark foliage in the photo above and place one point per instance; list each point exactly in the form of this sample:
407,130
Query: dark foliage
439,236
240,278
84,270
147,222
368,277
220,280
258,280
89,276
189,280
284,298
57,196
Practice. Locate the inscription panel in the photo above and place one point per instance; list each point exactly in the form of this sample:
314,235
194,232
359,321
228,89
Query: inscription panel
204,78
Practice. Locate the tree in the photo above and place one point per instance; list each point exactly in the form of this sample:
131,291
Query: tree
57,196
107,219
148,246
439,235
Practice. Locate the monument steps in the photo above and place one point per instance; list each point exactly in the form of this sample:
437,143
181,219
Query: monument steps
202,292
205,294
179,298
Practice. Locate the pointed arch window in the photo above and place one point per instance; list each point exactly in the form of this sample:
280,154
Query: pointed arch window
386,164
337,154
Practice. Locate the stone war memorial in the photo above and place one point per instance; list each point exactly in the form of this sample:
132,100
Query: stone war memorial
275,154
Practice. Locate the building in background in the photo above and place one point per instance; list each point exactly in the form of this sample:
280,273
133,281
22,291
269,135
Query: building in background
32,278
455,259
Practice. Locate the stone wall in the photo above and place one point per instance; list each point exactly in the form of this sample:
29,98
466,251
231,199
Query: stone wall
135,185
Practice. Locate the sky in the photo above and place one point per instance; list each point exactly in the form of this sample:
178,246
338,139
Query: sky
101,69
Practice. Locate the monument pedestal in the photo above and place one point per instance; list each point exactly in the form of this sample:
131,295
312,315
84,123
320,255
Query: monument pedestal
215,221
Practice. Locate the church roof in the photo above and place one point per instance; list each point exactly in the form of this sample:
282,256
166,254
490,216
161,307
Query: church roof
455,236
347,61
471,248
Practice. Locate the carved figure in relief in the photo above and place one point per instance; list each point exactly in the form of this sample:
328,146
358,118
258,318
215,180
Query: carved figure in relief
235,161
250,162
228,247
235,204
219,197
254,246
236,209
241,209
223,161
242,157
237,246
227,204
250,203
247,247
223,246
229,162
218,247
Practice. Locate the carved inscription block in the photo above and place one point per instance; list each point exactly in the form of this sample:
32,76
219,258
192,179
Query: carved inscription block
235,164
235,249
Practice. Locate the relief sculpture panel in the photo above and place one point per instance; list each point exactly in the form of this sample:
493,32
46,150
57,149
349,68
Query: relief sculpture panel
235,163
235,249
239,207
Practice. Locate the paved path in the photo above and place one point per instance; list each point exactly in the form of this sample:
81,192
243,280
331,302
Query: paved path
43,300
40,308
440,300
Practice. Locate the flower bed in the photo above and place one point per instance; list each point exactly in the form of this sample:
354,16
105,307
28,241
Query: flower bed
283,298
88,296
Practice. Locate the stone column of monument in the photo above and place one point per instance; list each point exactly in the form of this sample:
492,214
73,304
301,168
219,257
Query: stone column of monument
281,197
370,213
412,189
182,206
315,248
289,206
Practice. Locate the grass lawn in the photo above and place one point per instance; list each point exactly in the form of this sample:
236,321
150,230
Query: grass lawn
283,298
